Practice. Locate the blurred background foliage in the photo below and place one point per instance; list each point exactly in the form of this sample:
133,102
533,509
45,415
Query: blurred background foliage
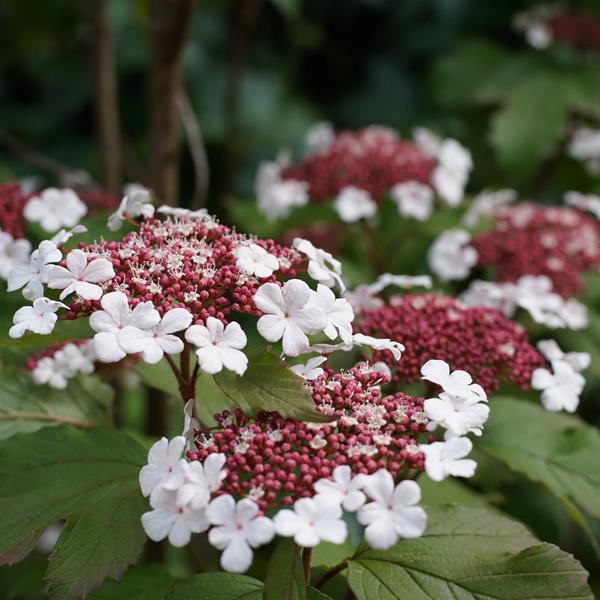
259,72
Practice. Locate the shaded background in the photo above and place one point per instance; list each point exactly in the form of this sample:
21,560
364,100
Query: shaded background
257,73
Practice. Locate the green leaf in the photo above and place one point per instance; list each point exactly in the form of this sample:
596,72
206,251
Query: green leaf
554,449
88,479
285,576
144,582
315,594
27,407
529,126
217,586
451,491
468,554
158,376
269,385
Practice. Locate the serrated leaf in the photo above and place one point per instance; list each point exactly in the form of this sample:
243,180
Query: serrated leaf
217,586
269,385
530,124
556,450
284,579
469,554
27,407
88,479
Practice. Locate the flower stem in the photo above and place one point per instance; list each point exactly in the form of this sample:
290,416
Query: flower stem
327,577
306,560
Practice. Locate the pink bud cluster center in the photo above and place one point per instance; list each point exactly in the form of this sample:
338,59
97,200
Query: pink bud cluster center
275,461
12,202
478,340
185,262
373,159
529,239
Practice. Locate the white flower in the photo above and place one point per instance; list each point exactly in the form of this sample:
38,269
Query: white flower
322,266
413,199
319,136
458,415
485,204
353,204
396,348
450,257
13,253
490,295
551,351
162,460
448,458
190,424
153,343
219,346
54,208
363,298
311,370
115,316
64,235
170,519
561,388
313,520
574,314
252,259
343,488
80,276
238,529
401,281
458,383
338,312
175,211
200,481
289,314
56,370
39,318
34,274
392,513
134,204
450,175
277,196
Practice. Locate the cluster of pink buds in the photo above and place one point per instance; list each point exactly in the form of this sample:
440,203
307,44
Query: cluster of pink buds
249,479
476,339
358,169
12,202
531,239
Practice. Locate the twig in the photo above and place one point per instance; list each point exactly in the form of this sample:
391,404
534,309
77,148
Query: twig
197,149
327,577
306,560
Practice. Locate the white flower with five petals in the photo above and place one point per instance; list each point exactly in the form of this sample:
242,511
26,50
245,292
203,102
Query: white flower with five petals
39,318
343,488
311,370
80,276
34,274
200,481
458,415
338,312
560,388
413,199
159,340
457,383
219,346
253,259
290,312
353,204
393,512
313,520
115,316
54,208
169,519
448,458
238,528
163,458
450,256
552,351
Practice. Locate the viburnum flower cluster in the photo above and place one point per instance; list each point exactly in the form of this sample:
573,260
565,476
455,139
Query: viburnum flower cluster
357,169
476,339
249,479
547,24
531,239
